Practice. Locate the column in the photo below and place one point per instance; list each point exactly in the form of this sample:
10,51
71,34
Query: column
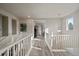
18,26
9,25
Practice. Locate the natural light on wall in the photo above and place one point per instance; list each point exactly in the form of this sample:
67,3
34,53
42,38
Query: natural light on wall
69,23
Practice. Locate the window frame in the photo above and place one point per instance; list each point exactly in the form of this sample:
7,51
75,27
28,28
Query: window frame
69,20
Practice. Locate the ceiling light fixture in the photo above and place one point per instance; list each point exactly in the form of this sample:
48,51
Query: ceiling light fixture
28,16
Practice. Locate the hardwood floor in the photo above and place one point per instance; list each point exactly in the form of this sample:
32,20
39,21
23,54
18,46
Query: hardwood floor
40,48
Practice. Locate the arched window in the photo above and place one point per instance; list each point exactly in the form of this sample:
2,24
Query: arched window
69,23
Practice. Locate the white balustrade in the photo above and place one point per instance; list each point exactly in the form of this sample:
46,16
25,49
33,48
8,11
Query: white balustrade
64,41
15,45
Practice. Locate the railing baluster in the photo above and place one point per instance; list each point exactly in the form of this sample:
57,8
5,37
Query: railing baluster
64,41
7,52
13,50
10,52
19,47
23,47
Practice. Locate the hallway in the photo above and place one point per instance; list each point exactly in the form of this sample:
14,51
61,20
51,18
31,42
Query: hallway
39,29
39,48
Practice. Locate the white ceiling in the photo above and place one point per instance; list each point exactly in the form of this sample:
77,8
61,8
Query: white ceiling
40,10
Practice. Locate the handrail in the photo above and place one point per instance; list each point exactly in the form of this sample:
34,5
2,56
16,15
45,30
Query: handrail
15,41
64,41
2,38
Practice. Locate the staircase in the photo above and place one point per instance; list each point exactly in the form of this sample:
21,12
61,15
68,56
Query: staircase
15,45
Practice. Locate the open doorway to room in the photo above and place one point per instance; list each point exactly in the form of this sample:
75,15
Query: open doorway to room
39,30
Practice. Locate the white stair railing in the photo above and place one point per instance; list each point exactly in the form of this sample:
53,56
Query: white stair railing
16,45
64,41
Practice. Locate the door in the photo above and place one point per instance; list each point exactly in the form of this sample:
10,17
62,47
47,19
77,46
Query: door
35,31
4,26
14,26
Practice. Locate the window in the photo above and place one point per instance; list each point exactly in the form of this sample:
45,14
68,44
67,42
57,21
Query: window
23,27
69,23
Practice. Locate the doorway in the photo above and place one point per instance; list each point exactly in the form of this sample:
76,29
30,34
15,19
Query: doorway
39,30
4,26
14,26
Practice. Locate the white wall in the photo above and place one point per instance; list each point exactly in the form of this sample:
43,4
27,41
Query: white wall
74,32
52,25
29,22
10,17
30,25
75,15
21,21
